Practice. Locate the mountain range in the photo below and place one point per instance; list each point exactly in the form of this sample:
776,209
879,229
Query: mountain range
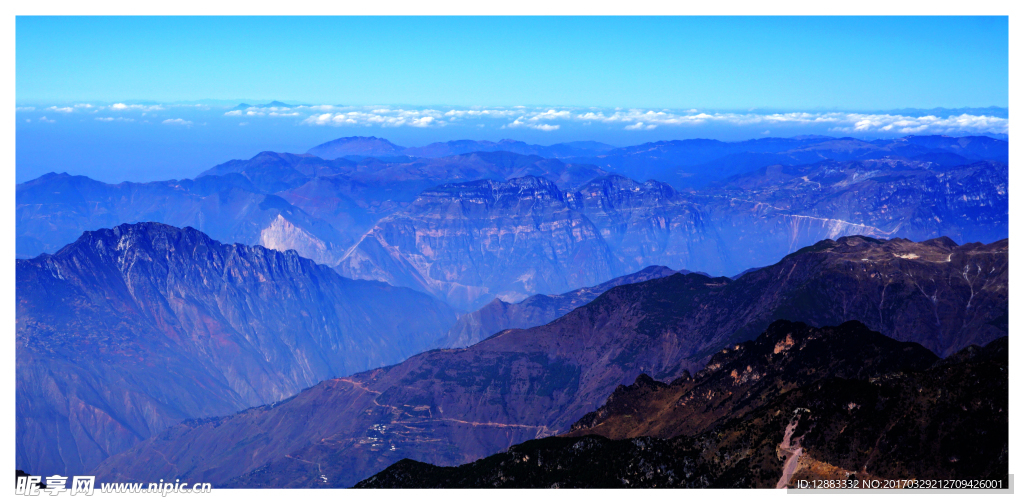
419,222
514,312
468,243
454,406
847,404
130,330
697,162
284,201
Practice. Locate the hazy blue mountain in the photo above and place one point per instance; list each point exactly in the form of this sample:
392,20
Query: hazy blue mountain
130,330
882,198
279,200
55,209
695,163
271,172
359,146
272,104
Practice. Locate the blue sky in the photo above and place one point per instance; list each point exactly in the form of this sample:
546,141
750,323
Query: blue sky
805,63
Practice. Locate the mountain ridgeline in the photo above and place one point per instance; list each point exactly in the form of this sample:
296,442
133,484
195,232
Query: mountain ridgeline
536,310
860,406
130,330
451,407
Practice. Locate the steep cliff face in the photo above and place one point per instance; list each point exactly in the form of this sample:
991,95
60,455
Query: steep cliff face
747,221
535,310
468,243
450,407
650,223
846,404
132,329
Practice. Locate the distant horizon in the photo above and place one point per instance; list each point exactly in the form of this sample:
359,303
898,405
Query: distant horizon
151,140
381,136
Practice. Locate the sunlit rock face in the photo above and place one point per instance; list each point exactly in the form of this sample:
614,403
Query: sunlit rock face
282,235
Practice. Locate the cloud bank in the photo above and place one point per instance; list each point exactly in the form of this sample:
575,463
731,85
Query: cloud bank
548,119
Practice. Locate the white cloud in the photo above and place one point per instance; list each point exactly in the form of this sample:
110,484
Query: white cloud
521,123
147,108
422,122
377,116
840,121
233,113
640,125
24,109
480,113
321,119
119,119
551,114
550,119
177,122
44,119
61,109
